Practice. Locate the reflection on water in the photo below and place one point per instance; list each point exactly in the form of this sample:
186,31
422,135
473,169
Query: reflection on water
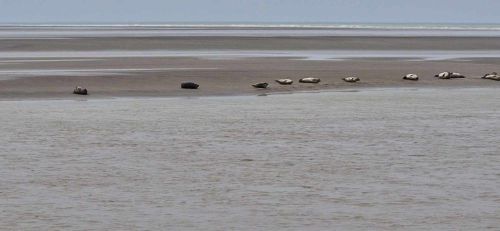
6,74
23,56
262,30
374,159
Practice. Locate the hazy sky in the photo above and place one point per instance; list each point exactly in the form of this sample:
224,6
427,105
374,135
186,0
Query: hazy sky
129,11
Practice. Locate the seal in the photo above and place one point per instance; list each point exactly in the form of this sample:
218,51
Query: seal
80,91
456,75
443,75
284,81
449,75
413,77
310,80
492,76
189,85
351,79
260,85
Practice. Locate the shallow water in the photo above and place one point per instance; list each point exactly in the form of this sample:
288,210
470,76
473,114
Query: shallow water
382,159
246,30
21,56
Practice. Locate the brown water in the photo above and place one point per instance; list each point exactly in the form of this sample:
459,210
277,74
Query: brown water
382,159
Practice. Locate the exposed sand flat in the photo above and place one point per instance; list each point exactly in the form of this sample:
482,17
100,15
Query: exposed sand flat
232,77
156,66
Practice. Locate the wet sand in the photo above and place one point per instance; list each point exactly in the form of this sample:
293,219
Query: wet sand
27,73
250,43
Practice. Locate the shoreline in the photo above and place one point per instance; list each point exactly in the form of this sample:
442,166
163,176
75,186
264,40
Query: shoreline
129,66
257,93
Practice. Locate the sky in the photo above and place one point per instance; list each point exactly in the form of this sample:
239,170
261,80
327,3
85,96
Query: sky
248,11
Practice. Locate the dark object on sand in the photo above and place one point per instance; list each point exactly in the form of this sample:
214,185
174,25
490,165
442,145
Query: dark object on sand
80,91
310,80
189,85
351,79
260,85
492,76
449,75
413,77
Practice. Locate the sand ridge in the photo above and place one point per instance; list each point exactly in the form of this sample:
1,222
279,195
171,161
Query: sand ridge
161,76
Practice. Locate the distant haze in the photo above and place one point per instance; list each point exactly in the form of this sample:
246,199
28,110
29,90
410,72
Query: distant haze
249,11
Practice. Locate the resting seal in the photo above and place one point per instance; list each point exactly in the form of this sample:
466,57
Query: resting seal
413,77
80,91
492,76
260,85
449,75
351,79
189,85
284,81
310,80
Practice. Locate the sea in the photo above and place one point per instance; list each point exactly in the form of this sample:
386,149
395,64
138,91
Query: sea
61,31
365,159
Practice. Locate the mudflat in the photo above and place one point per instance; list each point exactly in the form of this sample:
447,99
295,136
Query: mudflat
156,66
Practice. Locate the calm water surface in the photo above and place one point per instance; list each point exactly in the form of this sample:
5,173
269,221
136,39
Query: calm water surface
384,159
48,31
